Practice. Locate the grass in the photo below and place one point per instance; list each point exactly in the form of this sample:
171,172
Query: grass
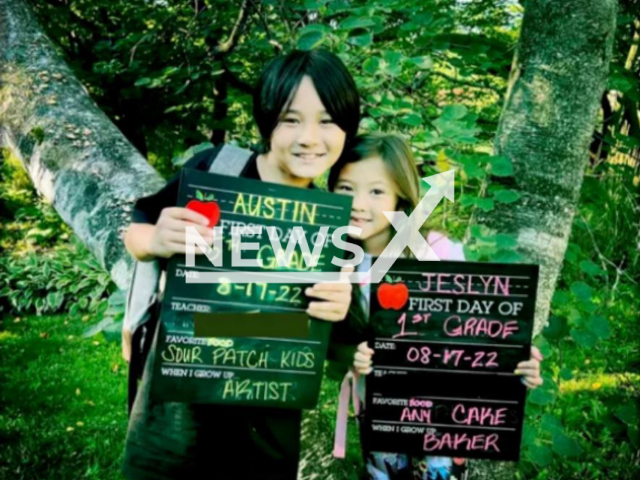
62,402
63,410
63,407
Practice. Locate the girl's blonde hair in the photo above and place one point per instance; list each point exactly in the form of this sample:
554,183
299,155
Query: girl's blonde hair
396,155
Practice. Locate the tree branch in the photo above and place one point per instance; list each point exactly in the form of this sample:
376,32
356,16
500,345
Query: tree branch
237,83
227,46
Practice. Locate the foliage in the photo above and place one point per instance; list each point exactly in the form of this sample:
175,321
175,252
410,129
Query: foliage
66,279
175,78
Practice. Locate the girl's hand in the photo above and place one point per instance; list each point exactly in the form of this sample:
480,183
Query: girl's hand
362,359
336,296
169,235
530,370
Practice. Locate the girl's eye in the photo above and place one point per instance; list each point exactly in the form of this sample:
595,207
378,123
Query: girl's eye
377,191
290,120
344,188
327,121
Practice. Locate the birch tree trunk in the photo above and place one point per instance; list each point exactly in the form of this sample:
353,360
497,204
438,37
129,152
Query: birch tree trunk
77,159
558,77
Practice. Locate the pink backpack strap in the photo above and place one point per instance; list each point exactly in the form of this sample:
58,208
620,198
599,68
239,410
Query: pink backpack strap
348,389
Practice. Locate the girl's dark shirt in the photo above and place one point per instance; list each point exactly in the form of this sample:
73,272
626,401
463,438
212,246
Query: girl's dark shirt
232,442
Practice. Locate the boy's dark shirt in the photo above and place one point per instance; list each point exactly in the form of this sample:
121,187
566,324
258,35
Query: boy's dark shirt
175,440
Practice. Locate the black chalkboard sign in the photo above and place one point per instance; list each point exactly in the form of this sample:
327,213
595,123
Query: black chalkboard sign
268,371
448,336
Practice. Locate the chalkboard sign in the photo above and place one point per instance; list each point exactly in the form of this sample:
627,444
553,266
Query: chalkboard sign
447,338
265,371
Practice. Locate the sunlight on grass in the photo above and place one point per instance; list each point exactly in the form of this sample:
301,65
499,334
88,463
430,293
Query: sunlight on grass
601,381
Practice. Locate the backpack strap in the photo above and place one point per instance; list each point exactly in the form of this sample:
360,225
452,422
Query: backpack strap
141,309
231,160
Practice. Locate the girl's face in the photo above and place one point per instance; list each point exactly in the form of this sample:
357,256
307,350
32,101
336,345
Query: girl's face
373,193
306,142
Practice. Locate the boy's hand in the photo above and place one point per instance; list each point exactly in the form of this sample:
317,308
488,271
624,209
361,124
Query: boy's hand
362,359
169,234
530,370
336,296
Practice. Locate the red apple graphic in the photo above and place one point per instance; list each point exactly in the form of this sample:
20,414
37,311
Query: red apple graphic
211,210
393,296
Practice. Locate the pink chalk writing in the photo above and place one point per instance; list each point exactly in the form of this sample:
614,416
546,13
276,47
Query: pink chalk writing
422,355
454,326
461,442
415,415
402,321
462,283
418,402
464,415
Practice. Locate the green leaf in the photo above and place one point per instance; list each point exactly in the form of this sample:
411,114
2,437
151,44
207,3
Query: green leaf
199,195
412,119
566,374
560,298
360,38
628,413
565,446
556,329
310,40
500,166
582,291
371,65
54,300
551,423
314,4
454,112
485,204
356,22
467,200
599,325
472,169
590,268
142,82
541,397
507,256
504,240
423,63
470,254
368,124
583,338
540,455
506,196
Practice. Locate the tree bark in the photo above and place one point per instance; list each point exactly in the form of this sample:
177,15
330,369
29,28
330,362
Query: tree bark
76,157
560,71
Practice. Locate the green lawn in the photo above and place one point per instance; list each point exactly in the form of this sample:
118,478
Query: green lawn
62,401
63,406
63,412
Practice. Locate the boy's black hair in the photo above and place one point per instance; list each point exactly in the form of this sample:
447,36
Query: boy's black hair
280,80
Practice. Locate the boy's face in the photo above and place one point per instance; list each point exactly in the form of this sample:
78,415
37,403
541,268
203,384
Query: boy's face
373,193
306,142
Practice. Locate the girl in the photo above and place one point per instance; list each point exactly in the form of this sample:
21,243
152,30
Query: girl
380,173
306,106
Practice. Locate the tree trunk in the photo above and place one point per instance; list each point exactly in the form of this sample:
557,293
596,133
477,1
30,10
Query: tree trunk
77,159
559,74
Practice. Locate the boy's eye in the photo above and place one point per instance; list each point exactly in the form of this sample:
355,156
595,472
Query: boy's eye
327,121
289,120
